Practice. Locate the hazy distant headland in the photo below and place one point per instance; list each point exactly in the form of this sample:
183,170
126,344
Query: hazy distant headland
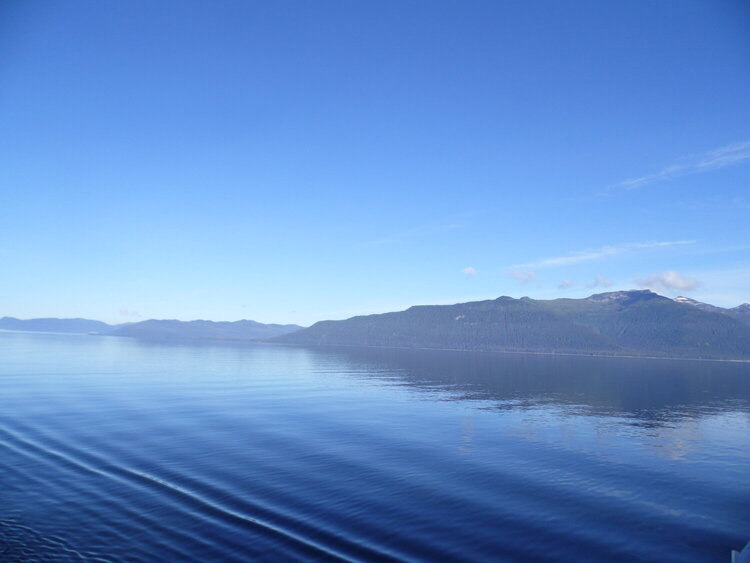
154,329
626,323
637,323
69,326
202,330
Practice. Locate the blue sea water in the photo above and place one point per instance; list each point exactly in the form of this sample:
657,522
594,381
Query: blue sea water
117,450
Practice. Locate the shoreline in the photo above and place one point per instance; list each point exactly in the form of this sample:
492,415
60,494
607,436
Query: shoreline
374,347
520,352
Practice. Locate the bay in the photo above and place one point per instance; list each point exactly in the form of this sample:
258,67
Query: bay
117,450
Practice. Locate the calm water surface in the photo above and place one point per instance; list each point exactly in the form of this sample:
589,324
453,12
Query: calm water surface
115,450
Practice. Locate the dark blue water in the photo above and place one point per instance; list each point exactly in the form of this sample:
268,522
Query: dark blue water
114,450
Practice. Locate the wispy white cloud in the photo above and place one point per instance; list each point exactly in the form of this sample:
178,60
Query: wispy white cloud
711,160
524,276
566,284
600,281
130,313
469,271
669,280
579,256
416,232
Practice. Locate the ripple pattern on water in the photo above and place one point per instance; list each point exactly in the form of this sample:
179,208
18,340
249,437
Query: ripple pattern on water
112,450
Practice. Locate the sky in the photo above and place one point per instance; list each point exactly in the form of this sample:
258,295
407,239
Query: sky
297,161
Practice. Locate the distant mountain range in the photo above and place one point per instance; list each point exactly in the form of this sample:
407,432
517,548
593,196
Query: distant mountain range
154,329
202,330
638,322
633,323
72,326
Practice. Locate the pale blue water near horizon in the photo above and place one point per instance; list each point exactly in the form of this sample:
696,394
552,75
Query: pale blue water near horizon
117,450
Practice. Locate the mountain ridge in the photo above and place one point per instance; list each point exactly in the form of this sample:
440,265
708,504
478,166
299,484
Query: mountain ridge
242,330
153,329
740,312
636,322
52,324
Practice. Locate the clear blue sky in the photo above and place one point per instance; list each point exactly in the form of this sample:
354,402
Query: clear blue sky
297,161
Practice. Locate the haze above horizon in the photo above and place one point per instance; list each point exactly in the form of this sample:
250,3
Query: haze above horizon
293,162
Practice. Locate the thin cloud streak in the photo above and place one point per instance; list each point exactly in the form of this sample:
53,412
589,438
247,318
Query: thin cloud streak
579,256
711,160
600,281
524,276
416,232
